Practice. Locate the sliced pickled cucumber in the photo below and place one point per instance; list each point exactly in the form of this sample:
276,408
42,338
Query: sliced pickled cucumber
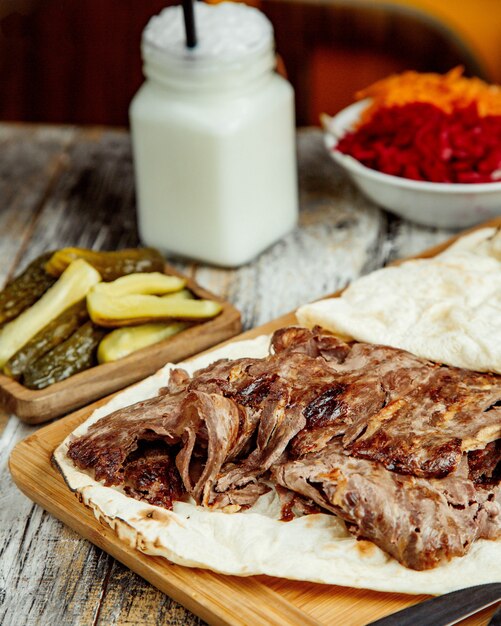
145,283
26,289
76,354
110,265
72,286
124,341
56,331
184,294
132,310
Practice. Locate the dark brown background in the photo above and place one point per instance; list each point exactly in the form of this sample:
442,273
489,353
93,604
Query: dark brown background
78,61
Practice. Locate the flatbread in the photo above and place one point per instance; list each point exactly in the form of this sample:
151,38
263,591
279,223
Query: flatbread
446,309
315,548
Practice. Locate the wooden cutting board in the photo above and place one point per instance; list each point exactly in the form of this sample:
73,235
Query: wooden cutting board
216,598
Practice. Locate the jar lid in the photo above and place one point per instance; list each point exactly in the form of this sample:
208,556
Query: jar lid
228,33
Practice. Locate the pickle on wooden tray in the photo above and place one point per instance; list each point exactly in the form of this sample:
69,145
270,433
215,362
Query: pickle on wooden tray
131,310
110,265
26,289
46,335
183,294
153,283
121,342
51,335
71,287
74,355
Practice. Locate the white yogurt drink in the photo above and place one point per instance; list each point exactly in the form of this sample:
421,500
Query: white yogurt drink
213,137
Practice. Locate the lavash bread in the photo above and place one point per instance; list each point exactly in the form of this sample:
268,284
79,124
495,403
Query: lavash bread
316,548
446,309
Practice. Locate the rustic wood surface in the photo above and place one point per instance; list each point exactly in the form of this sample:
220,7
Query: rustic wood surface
68,186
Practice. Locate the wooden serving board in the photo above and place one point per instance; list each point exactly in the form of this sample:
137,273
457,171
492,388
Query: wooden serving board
35,407
216,598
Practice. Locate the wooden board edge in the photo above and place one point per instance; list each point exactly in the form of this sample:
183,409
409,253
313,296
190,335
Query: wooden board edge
146,566
35,407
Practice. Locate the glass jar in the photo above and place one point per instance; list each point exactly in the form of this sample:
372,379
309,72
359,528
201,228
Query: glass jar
213,137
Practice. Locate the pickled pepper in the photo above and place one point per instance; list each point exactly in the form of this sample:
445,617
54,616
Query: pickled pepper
153,283
26,289
124,341
56,331
72,286
131,310
76,354
110,265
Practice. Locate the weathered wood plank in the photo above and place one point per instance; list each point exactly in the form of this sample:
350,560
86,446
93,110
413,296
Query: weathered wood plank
4,418
31,160
92,204
48,575
130,600
409,239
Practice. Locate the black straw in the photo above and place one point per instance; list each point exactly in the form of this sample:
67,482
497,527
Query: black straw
189,24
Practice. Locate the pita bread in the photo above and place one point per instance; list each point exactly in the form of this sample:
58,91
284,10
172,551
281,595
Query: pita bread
446,309
314,548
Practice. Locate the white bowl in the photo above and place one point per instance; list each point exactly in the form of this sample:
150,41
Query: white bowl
446,205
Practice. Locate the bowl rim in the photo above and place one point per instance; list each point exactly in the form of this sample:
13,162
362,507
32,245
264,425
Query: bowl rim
336,126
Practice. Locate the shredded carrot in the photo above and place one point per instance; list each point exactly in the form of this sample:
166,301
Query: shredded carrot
448,92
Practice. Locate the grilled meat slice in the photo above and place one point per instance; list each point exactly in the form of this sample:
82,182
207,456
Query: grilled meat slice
150,474
411,415
419,522
485,465
372,433
106,446
452,412
205,430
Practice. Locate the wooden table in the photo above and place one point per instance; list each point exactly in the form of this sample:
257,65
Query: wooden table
62,186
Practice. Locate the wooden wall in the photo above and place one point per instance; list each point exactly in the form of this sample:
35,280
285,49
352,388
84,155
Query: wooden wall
71,60
78,61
